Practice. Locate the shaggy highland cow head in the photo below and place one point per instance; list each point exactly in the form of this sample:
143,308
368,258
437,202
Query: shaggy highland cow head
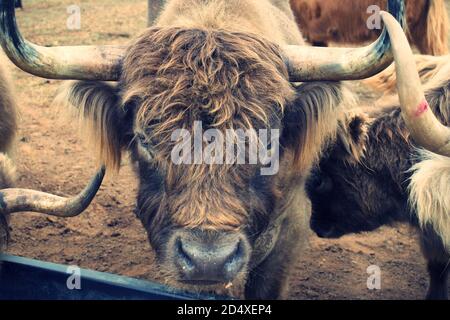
204,218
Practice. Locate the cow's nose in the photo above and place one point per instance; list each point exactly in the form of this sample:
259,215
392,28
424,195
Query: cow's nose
208,260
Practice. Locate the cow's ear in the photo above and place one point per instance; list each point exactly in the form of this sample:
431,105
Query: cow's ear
101,117
311,120
352,134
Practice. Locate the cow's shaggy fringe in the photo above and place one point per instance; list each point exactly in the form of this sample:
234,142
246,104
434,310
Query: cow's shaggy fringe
429,192
227,80
233,80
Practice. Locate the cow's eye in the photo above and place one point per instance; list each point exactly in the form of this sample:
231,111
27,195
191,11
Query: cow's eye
143,140
324,185
144,146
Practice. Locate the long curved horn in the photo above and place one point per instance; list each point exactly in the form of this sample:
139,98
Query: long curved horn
333,64
19,200
103,62
70,62
425,128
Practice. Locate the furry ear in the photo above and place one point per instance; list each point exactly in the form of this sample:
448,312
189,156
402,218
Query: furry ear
312,119
102,119
437,93
352,136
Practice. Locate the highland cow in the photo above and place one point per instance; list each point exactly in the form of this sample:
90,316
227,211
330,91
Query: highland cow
227,65
374,174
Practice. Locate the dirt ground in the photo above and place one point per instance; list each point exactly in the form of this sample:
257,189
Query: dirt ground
108,237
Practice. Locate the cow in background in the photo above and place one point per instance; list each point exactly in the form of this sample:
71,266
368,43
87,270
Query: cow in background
324,22
8,128
373,174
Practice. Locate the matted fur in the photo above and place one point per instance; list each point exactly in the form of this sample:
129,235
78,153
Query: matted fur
429,193
227,80
430,183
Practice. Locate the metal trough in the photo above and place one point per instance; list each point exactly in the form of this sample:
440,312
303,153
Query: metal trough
28,279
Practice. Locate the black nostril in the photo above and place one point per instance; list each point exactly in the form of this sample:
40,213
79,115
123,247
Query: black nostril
184,261
235,262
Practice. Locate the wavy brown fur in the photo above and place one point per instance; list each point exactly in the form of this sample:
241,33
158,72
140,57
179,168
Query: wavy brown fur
235,80
224,79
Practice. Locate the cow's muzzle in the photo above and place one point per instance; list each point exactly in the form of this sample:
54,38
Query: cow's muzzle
209,257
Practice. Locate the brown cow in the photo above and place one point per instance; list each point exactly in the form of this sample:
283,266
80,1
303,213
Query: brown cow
220,65
325,21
